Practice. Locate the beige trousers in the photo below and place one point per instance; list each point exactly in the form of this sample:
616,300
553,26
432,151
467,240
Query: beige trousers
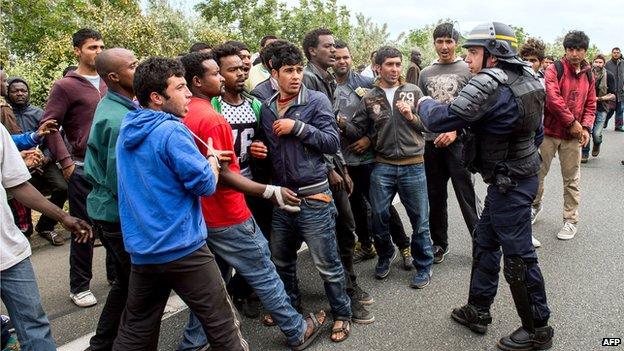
570,159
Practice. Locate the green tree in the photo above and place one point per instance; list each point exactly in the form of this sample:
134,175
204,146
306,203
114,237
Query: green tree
365,37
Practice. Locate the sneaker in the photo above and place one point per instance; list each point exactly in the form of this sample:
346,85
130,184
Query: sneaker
361,296
83,299
469,316
421,279
596,150
12,344
408,261
438,254
359,314
53,237
534,212
383,265
523,339
584,158
536,243
567,232
251,307
364,253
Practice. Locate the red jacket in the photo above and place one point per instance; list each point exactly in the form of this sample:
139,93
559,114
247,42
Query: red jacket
572,98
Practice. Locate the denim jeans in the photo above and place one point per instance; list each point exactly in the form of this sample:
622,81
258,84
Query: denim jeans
316,225
20,295
596,130
244,247
411,185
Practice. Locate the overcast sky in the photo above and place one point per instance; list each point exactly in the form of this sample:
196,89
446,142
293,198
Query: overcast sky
602,20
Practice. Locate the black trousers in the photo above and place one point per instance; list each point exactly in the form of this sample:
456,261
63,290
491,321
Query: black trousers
51,182
80,255
360,204
345,236
197,281
442,164
112,239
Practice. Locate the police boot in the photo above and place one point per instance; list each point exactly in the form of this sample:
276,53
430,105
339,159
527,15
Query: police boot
526,340
469,316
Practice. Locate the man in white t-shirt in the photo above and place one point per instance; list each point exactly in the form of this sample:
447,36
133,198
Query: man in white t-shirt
20,293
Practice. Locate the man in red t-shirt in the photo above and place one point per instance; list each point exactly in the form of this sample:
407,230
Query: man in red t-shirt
233,234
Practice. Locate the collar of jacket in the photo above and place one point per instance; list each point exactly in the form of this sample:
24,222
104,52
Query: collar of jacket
116,97
585,66
402,82
317,72
302,99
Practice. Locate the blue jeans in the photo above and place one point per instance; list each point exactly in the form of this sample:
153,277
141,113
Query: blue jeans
316,225
244,247
411,185
20,295
601,116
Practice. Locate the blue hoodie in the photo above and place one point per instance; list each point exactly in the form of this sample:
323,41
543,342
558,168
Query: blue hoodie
161,175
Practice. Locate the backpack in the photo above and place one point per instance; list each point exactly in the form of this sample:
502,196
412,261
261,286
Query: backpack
559,68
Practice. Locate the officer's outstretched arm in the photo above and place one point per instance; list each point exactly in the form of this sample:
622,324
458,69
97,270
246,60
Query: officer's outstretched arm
472,103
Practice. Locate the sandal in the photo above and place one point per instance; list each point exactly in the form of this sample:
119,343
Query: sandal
268,320
344,329
313,322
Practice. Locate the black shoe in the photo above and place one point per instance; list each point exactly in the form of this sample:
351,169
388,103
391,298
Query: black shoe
470,317
359,314
523,340
438,254
596,150
584,158
382,269
361,296
251,307
364,253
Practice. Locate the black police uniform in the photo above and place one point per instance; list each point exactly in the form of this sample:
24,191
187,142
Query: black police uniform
501,108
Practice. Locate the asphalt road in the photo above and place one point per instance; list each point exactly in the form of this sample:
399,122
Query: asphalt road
584,281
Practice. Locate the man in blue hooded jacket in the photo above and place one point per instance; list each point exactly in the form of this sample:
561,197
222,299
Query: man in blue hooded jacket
161,176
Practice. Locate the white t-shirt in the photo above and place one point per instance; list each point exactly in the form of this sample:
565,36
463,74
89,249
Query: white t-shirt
14,246
390,96
94,80
243,121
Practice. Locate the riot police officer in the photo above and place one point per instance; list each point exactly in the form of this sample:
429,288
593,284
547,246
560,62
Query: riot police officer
501,110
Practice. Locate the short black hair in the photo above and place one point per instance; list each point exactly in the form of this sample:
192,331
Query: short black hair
341,45
82,35
286,55
224,50
193,67
386,52
615,48
533,47
549,57
237,44
265,38
446,30
152,75
576,39
199,46
311,39
268,51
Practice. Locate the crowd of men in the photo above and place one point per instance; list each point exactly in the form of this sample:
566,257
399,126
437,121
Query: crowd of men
189,168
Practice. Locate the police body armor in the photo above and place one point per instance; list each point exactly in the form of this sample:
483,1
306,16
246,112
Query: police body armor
502,158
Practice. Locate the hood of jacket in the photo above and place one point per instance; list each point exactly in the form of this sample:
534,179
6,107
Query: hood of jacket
138,124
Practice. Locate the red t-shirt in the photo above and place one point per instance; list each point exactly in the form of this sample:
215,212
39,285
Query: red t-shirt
226,206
